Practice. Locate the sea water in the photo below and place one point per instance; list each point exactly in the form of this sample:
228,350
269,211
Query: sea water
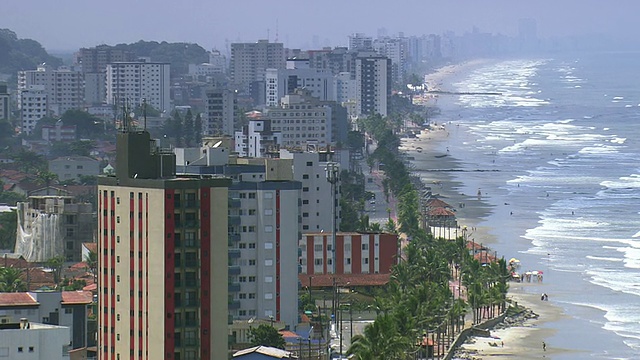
557,156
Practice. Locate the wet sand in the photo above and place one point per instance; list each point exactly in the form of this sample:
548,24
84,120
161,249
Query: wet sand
438,169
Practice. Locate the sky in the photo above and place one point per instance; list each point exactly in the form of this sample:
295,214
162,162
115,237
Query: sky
67,25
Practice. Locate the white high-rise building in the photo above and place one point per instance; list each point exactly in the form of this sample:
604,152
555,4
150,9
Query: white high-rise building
64,86
373,85
134,81
280,82
396,50
34,106
257,139
250,61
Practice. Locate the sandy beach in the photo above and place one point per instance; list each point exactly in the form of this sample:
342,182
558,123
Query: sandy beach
436,166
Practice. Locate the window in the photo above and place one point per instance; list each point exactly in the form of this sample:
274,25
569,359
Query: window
268,245
365,247
317,247
309,163
365,261
317,262
268,212
20,349
305,176
68,311
252,195
252,262
252,245
252,211
252,279
242,296
268,262
268,296
268,228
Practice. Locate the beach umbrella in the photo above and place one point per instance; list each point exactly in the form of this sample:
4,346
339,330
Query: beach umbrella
534,273
514,260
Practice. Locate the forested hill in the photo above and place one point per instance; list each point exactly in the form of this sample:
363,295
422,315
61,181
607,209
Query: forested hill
179,55
22,54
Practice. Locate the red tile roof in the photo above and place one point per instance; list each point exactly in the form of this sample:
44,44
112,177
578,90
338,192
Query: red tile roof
17,299
437,203
91,246
77,297
326,280
441,212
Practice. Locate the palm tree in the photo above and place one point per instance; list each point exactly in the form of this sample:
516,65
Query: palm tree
92,262
380,341
11,280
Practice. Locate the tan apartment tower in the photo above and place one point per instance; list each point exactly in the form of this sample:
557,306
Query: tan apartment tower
163,263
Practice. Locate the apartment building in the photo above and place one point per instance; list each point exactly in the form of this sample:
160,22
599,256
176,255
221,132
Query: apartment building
320,84
373,85
34,105
134,81
162,258
63,86
249,62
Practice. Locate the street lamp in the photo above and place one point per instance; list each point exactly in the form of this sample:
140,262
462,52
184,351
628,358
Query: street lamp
332,171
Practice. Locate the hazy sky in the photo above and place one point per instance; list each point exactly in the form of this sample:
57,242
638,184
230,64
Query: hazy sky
71,24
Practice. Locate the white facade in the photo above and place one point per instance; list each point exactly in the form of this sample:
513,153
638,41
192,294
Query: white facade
220,113
372,85
134,81
73,167
321,84
205,69
256,139
316,209
63,85
249,61
37,342
95,88
395,49
268,250
302,120
34,105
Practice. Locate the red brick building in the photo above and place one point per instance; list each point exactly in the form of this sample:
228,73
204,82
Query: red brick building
356,253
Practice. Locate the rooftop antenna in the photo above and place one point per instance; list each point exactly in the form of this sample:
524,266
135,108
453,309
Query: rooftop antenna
276,39
125,123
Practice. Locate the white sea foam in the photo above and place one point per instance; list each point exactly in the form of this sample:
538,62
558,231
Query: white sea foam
600,258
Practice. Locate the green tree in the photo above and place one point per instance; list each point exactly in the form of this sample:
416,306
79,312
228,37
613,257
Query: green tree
55,264
380,341
29,162
46,178
189,131
266,335
92,262
8,227
198,130
11,280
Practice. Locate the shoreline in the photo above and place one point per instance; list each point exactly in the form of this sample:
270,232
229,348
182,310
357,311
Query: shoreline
436,166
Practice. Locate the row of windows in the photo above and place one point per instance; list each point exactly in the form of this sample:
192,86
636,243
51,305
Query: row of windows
320,262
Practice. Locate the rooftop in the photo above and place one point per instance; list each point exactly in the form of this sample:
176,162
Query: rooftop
17,299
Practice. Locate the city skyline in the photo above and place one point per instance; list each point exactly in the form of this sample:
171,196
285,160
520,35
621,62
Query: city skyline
213,25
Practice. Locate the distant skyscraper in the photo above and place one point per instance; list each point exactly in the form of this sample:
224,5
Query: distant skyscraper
63,85
162,258
528,34
34,105
280,82
94,65
134,81
220,114
249,61
360,42
373,85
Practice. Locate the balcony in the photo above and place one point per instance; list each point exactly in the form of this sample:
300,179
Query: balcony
234,203
234,237
234,270
234,253
234,287
234,305
191,204
234,220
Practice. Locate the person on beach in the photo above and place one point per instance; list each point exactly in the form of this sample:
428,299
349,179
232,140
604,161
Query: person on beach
544,346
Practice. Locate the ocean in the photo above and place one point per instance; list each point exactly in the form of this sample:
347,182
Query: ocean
556,156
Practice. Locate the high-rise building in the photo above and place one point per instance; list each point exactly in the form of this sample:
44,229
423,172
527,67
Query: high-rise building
94,65
162,258
264,229
134,81
4,102
64,86
221,109
373,85
280,82
360,42
301,119
34,105
250,61
396,50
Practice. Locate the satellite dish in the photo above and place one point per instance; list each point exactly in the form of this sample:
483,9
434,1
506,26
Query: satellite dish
250,321
132,114
218,144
